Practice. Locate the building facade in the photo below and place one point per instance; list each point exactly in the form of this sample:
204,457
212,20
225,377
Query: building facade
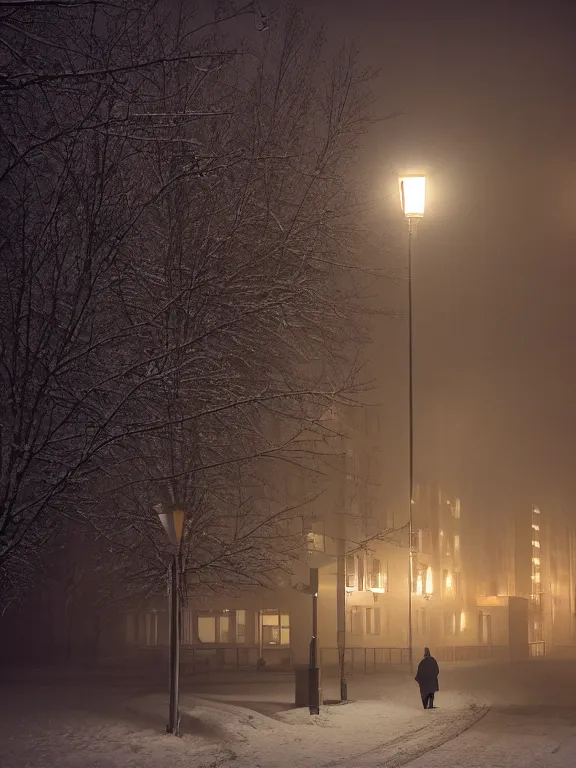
484,583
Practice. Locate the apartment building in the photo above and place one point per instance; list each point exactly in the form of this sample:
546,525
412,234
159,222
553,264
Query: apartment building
361,551
483,581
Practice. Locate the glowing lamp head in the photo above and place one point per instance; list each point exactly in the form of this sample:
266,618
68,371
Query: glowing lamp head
413,196
172,519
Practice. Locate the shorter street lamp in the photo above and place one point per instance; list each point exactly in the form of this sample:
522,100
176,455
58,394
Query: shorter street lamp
413,199
172,520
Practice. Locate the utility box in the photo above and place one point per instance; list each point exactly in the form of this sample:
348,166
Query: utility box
306,681
504,623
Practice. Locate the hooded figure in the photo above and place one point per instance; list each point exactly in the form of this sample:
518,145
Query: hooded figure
427,679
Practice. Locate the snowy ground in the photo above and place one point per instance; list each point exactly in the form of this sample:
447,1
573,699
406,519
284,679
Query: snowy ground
363,733
530,721
235,726
531,724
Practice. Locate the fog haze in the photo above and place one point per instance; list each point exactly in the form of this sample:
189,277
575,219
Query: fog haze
487,109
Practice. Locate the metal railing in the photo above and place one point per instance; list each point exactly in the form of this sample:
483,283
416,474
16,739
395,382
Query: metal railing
364,660
472,653
367,660
357,660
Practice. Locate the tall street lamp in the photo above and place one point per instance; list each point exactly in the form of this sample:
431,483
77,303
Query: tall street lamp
172,520
413,199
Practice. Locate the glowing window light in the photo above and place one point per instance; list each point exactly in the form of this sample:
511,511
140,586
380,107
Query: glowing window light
419,585
536,544
462,621
448,581
536,561
429,581
535,527
413,196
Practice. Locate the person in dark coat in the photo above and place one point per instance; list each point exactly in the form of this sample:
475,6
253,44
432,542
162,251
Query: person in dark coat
427,679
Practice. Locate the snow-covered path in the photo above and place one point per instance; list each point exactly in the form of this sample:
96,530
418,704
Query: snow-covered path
237,726
530,737
531,724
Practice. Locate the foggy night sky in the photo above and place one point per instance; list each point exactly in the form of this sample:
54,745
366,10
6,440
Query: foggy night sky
487,96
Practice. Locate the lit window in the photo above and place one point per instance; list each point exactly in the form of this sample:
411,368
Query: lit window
535,527
456,544
285,629
536,511
536,561
429,583
462,621
536,544
419,585
207,629
378,577
536,578
419,579
215,627
447,580
275,628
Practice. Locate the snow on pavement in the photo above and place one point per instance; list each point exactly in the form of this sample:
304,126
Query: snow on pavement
531,723
367,731
73,728
47,728
527,737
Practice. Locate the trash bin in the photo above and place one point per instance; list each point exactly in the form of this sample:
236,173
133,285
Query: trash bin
305,681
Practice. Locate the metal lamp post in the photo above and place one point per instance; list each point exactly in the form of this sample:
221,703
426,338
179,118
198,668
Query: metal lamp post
172,520
413,199
313,671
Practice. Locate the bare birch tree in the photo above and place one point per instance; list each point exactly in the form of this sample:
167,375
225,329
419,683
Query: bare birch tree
71,193
178,302
252,260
